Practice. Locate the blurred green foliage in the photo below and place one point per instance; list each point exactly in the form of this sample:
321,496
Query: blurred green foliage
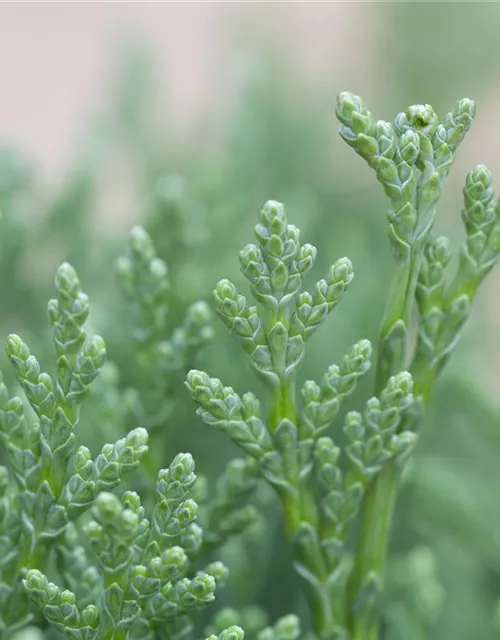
199,208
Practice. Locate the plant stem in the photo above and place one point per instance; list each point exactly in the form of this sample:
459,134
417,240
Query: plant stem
282,405
371,550
394,332
298,509
376,512
424,376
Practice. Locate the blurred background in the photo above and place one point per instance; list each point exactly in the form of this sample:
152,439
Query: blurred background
186,118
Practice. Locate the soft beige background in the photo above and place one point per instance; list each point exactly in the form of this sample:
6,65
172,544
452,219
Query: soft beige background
56,59
57,62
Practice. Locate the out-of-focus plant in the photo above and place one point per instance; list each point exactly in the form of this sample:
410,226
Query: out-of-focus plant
159,359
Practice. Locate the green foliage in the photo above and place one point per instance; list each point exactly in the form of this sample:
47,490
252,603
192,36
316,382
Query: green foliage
50,481
319,498
159,362
230,511
143,563
411,159
293,455
143,278
88,575
142,585
413,578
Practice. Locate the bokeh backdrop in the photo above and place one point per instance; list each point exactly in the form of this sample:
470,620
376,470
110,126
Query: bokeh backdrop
186,117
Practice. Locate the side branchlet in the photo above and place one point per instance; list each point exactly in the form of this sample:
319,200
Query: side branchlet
55,481
160,357
286,442
411,160
144,565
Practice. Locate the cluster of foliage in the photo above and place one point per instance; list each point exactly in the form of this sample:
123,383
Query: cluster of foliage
123,540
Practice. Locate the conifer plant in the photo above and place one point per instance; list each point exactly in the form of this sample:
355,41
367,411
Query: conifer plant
126,573
85,557
326,480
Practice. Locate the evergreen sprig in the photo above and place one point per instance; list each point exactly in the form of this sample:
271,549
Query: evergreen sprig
52,480
411,160
230,511
135,580
287,442
161,359
321,495
144,563
81,557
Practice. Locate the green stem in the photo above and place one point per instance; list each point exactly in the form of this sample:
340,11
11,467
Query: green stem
281,406
424,377
371,550
394,333
378,505
18,603
299,508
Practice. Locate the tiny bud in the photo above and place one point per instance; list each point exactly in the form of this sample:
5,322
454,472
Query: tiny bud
16,347
131,500
419,117
82,458
326,452
198,314
340,271
66,280
186,512
409,146
311,392
90,616
273,217
218,571
137,438
347,104
141,243
182,467
95,349
158,269
68,597
353,427
106,507
288,627
35,579
306,258
232,633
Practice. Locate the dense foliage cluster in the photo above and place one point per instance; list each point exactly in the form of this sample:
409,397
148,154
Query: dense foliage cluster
107,532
